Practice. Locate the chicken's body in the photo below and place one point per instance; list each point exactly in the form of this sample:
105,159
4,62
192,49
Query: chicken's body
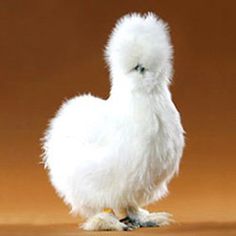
118,153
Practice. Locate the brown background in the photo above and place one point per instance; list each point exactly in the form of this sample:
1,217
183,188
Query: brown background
52,50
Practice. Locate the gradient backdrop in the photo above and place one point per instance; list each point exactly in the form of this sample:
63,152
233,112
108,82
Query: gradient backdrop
52,50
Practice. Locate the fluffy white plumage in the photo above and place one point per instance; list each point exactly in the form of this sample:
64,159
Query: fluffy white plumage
120,152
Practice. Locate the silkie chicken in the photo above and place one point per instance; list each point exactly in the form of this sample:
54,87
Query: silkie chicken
108,158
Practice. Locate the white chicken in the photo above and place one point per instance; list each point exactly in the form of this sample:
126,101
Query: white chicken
111,157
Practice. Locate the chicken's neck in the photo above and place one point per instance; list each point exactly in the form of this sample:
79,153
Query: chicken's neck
126,99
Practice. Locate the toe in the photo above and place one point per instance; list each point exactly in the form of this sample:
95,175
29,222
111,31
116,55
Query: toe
130,223
162,218
126,228
149,224
125,220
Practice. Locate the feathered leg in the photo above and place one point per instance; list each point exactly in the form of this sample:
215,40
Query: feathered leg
104,221
142,218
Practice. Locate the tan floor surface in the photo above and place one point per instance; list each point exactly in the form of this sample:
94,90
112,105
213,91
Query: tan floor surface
200,229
